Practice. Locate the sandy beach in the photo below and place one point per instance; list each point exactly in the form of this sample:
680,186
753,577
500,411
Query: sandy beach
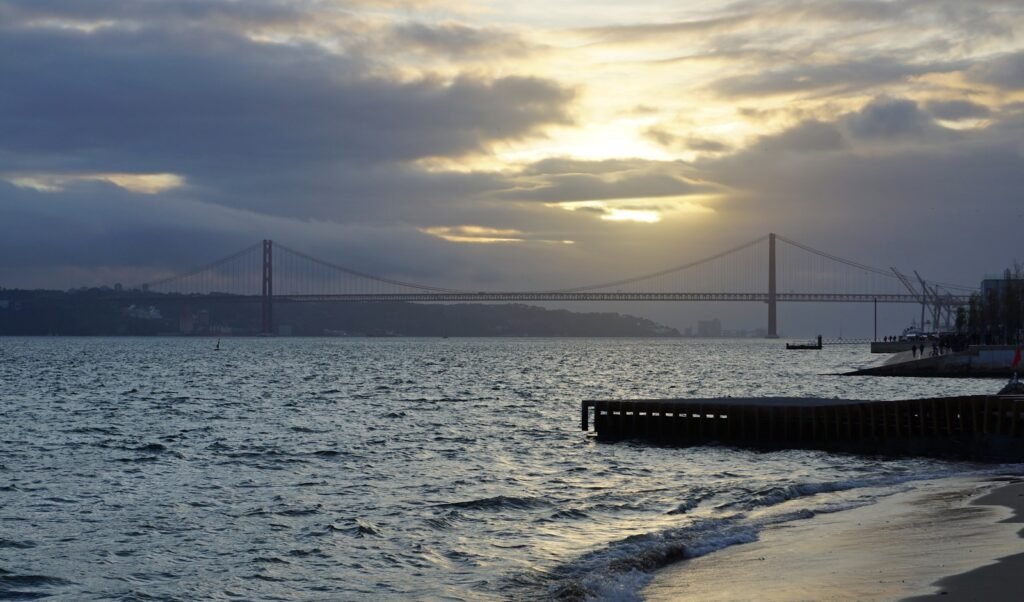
1001,580
954,539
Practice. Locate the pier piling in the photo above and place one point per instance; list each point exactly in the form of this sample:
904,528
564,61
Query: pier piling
982,427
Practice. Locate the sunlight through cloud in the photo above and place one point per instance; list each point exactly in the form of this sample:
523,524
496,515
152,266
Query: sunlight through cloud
140,183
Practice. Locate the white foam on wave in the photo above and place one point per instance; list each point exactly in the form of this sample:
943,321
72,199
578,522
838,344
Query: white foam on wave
619,571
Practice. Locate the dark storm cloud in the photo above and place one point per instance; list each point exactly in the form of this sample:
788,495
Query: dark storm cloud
1006,72
890,119
956,110
130,238
806,137
190,103
283,130
286,141
883,120
205,12
873,198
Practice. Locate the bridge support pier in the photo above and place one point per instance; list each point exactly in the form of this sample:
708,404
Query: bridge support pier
267,293
772,297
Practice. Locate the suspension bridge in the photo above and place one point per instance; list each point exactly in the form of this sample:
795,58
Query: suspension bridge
788,271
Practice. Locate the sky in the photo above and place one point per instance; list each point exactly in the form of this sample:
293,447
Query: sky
507,145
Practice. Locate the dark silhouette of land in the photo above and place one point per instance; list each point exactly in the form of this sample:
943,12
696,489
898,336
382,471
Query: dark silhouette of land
97,312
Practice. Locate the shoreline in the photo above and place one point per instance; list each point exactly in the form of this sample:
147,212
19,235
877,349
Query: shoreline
954,538
993,582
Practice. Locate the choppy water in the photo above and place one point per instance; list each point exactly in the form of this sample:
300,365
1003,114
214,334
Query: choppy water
343,469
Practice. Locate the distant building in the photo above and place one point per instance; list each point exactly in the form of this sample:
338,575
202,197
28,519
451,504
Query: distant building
709,328
998,284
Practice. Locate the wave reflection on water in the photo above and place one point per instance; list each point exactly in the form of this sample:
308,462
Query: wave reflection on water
394,468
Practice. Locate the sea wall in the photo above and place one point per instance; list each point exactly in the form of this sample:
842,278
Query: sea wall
892,346
981,361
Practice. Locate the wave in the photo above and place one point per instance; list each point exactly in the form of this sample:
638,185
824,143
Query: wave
499,502
19,587
694,500
359,528
444,522
17,545
772,496
619,570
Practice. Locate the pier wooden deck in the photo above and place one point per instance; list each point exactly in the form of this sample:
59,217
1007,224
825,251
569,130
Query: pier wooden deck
982,427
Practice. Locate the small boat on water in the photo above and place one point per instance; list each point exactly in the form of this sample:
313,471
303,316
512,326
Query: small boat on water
810,345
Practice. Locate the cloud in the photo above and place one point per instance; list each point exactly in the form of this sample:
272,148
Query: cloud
207,13
888,118
220,101
897,186
956,110
1006,72
485,235
642,32
670,140
841,76
281,129
561,181
141,183
158,134
805,137
95,233
459,41
882,121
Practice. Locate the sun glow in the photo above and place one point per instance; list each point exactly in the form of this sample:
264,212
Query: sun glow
643,216
484,235
141,183
641,211
474,234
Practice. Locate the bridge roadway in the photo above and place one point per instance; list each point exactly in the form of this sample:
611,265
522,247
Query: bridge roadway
557,296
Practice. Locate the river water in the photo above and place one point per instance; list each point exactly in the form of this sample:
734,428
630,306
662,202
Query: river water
350,469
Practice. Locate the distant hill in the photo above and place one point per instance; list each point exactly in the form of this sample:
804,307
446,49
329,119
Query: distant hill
107,312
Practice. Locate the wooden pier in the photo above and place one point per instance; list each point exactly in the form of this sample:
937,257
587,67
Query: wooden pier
981,427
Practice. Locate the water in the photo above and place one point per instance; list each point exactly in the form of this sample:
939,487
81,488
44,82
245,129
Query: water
160,469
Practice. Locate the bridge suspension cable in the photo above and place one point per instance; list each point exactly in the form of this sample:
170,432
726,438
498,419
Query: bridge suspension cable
205,268
803,273
879,271
371,277
680,268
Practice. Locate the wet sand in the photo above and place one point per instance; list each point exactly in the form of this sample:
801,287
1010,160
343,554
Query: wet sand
905,546
1003,580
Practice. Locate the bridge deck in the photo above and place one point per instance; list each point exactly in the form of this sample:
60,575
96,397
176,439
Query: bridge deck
986,427
286,297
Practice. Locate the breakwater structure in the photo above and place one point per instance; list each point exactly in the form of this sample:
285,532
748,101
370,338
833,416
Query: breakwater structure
977,361
979,427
